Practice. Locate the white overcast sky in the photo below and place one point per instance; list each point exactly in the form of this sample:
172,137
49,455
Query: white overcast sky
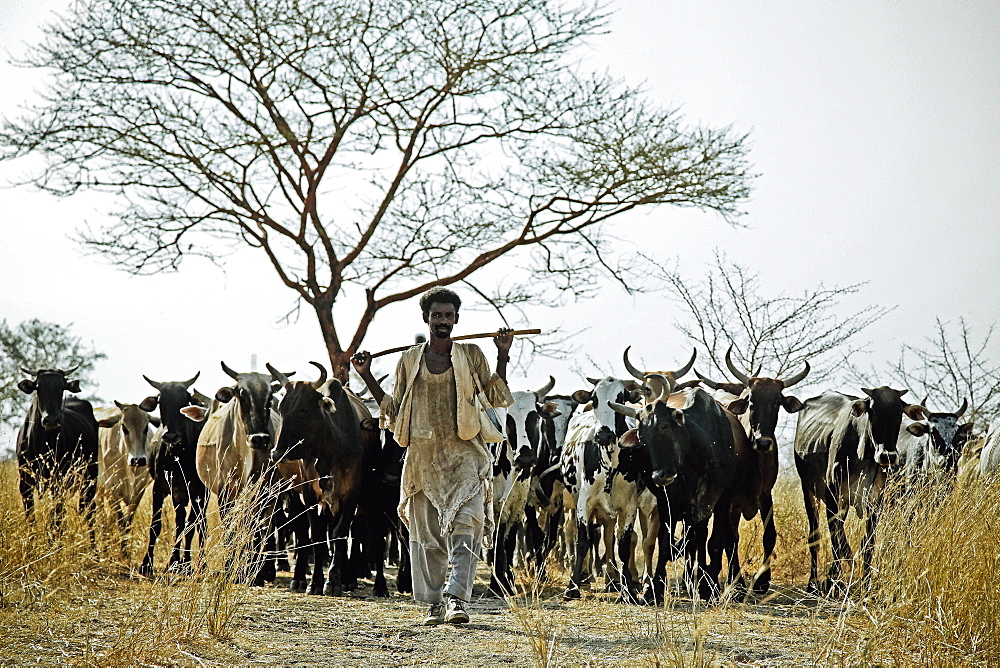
875,128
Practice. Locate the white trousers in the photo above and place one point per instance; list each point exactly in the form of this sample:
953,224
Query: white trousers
435,558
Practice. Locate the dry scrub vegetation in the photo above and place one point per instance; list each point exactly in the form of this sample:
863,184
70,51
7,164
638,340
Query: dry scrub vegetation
67,598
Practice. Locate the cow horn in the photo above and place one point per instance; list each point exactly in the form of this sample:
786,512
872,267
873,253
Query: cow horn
924,402
965,404
229,372
798,377
188,383
152,382
740,376
278,376
627,411
322,375
30,372
665,382
687,367
638,375
542,393
711,383
67,372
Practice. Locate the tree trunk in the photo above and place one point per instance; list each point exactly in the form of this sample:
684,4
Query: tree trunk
340,360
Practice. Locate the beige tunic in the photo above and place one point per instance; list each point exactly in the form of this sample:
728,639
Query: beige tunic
434,415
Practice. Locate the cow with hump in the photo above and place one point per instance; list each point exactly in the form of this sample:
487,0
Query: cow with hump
234,454
932,447
321,432
757,400
844,446
175,473
57,442
691,452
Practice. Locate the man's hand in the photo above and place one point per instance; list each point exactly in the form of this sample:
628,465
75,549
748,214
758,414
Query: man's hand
362,361
503,340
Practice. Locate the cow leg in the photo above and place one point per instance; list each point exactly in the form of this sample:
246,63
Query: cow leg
761,582
580,554
535,538
338,566
500,584
842,554
404,575
704,578
182,533
625,552
155,527
731,546
302,548
868,546
318,534
812,516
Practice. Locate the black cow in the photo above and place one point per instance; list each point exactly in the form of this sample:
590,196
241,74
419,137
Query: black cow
173,468
844,447
757,400
57,440
688,456
323,432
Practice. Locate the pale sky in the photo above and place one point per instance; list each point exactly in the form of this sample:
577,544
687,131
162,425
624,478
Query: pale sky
874,126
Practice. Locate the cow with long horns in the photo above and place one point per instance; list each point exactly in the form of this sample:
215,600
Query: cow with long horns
932,446
757,400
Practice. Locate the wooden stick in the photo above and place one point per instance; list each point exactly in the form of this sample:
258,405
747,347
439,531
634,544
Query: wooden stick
516,332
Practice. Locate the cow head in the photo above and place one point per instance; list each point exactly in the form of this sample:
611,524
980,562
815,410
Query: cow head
663,435
48,387
610,425
172,397
947,436
304,410
523,427
135,427
656,383
254,391
885,409
762,397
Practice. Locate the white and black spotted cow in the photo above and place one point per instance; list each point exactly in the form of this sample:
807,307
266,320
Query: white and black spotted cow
600,496
930,447
514,461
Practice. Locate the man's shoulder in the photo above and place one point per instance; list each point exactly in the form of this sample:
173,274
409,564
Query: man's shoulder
471,349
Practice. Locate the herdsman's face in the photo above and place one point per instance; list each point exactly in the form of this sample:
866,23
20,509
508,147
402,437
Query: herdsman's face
441,319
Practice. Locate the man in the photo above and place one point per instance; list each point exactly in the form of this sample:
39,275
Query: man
446,496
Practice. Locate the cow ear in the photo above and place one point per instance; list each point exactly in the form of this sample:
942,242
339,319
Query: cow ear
549,410
859,407
580,396
149,403
155,421
966,429
918,428
739,407
370,424
791,404
26,386
328,404
194,413
630,440
915,412
73,386
678,416
225,394
110,421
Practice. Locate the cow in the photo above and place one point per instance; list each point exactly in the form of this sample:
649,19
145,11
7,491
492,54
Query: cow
598,494
937,449
57,441
125,437
686,445
513,463
175,473
989,459
545,511
322,431
756,400
844,446
233,456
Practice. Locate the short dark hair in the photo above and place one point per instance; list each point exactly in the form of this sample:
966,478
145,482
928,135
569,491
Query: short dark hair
439,295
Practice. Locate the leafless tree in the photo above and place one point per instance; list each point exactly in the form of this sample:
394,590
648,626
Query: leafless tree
390,145
726,306
951,367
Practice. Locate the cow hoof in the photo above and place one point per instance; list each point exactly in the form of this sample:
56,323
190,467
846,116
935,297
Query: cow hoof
315,590
404,586
283,565
333,590
381,592
571,593
761,585
814,588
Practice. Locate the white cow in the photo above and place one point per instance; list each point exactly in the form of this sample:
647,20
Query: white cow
124,442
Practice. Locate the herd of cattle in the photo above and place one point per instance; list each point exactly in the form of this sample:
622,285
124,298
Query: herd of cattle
628,472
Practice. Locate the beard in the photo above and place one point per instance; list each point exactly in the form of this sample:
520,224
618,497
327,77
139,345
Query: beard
442,331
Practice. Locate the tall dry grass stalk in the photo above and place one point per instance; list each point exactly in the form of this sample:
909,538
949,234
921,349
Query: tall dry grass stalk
55,576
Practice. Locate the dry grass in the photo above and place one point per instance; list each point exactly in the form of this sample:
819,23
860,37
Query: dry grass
69,599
